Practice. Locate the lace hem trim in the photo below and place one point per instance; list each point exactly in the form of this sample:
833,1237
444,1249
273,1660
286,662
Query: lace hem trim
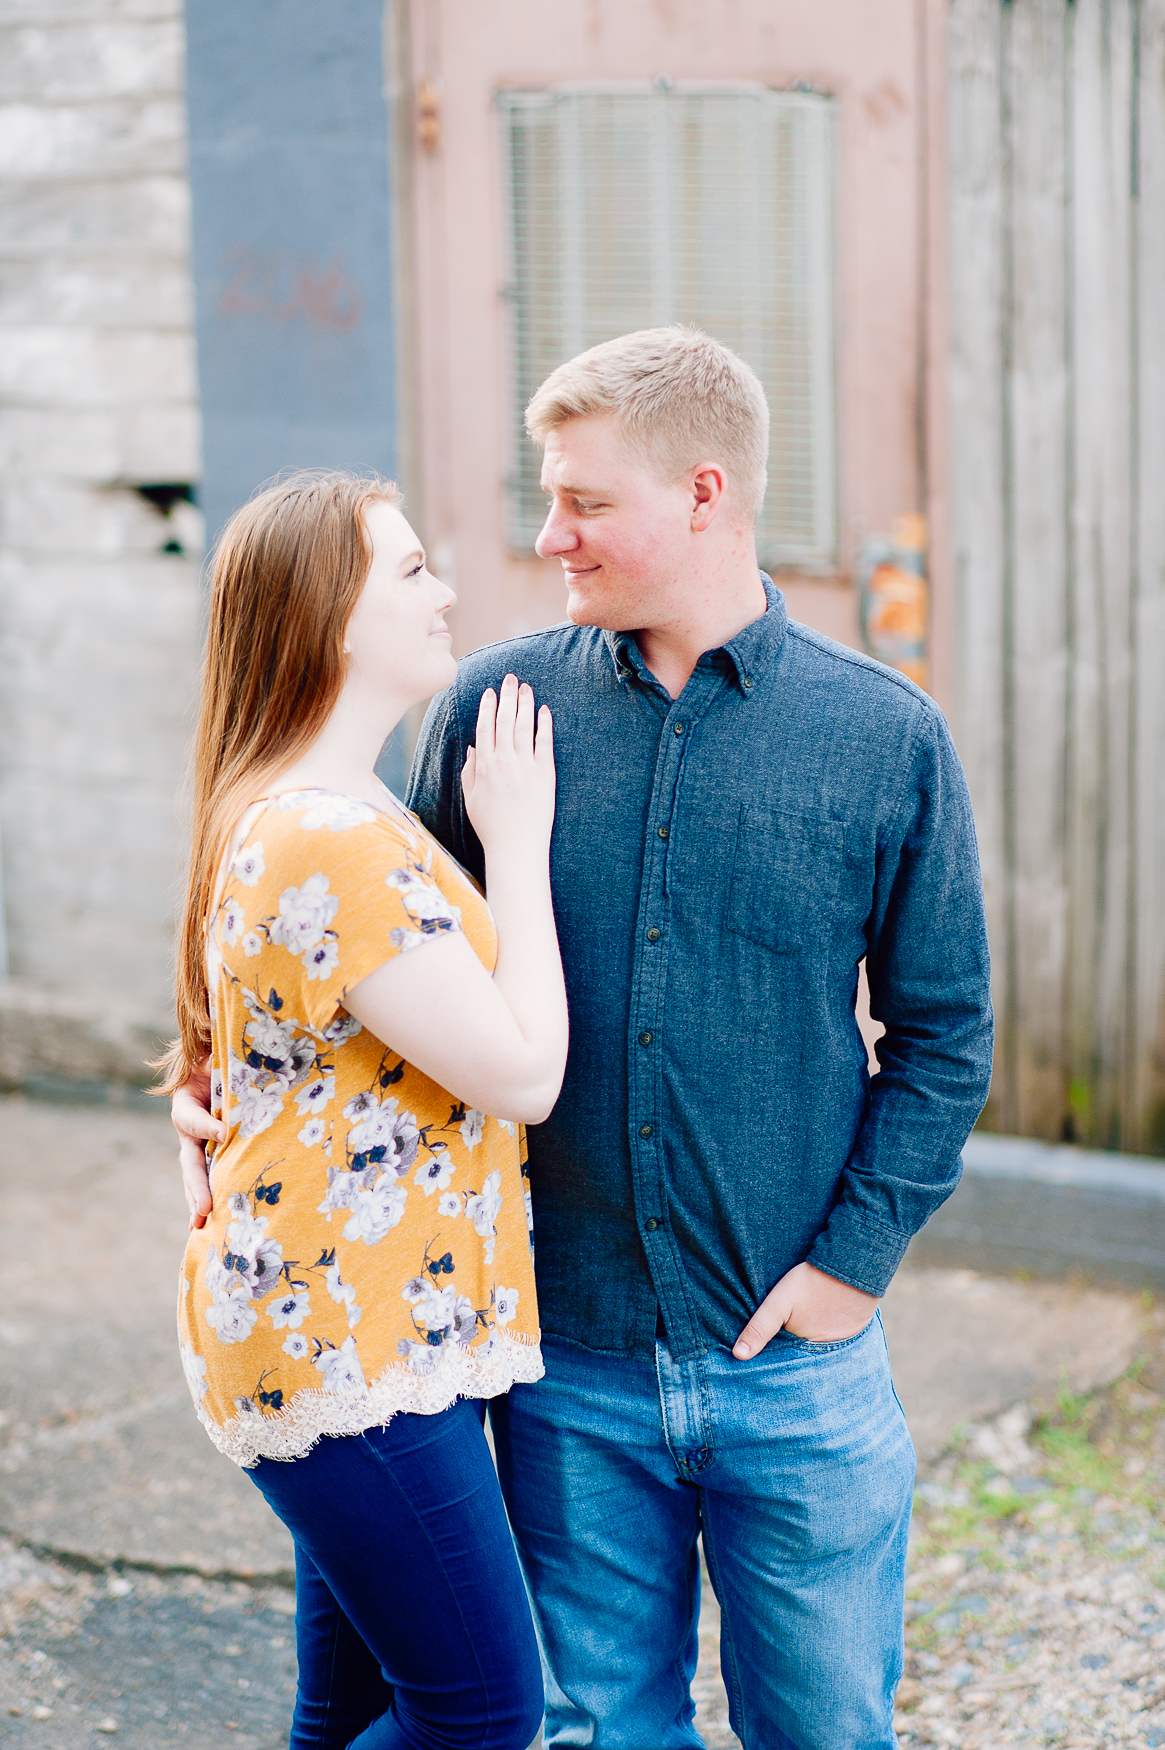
291,1432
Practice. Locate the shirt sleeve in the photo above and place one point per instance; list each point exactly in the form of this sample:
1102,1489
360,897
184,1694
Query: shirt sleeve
929,974
434,792
364,894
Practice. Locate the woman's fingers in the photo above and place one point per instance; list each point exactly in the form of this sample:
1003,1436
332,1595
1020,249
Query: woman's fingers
524,722
486,733
508,721
544,745
507,714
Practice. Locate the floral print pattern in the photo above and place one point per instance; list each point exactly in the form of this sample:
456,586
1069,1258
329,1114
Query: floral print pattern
369,1246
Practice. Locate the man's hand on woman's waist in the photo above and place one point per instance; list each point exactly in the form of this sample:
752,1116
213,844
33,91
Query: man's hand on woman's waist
191,1117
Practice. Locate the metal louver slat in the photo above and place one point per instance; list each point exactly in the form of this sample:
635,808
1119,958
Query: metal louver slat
628,207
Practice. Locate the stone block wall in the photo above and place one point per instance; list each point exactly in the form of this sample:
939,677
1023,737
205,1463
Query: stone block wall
99,592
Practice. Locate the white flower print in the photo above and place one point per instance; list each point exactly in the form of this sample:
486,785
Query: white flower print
341,1368
252,944
449,1204
322,960
484,1207
402,940
487,1251
233,922
232,1314
419,1356
344,1294
296,1345
424,901
264,1034
471,1127
304,914
314,1095
464,1321
313,1131
289,1310
375,1211
216,1089
508,1126
436,1307
195,1369
249,864
505,1304
338,813
414,1290
344,1027
246,1407
382,1135
435,1173
258,1110
529,1202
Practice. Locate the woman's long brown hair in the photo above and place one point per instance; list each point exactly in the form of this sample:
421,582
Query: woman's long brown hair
287,573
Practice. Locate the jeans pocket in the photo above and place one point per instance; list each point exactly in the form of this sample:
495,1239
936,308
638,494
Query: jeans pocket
810,1347
785,879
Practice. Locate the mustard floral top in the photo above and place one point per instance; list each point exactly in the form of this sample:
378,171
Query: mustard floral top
369,1245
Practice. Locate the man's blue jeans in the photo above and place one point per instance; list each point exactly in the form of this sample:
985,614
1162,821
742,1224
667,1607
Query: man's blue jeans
797,1470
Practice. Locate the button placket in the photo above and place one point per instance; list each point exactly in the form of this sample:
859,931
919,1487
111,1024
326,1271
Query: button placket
645,1082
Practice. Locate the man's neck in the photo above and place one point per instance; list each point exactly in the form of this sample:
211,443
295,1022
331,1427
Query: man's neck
713,618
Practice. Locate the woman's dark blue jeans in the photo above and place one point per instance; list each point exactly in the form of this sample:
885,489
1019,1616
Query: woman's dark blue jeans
412,1626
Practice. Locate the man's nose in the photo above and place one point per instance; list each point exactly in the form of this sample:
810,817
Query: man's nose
557,537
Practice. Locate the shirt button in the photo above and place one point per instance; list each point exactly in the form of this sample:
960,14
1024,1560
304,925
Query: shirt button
651,1224
678,729
662,831
748,680
653,935
645,1039
645,1130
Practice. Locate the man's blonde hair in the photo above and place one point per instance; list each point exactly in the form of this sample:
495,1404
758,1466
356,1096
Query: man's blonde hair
679,397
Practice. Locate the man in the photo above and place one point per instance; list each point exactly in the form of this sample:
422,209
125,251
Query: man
722,1194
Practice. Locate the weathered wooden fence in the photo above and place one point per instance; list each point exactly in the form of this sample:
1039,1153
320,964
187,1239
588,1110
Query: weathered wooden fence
1057,246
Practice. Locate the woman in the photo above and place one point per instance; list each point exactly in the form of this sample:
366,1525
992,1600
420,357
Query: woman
363,1275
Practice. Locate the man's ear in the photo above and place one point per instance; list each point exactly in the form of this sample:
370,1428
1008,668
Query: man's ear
709,485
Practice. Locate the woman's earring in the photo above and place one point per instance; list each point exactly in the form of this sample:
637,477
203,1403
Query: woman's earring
347,650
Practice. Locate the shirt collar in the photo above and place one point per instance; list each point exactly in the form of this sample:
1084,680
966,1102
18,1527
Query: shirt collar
748,655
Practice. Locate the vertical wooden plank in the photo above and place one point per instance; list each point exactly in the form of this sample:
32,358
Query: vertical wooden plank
1146,1130
976,450
1036,409
1100,669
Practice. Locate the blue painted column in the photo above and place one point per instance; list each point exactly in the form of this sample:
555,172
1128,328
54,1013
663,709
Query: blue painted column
289,146
289,174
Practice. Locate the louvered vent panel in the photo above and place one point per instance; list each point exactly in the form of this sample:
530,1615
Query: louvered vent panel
630,207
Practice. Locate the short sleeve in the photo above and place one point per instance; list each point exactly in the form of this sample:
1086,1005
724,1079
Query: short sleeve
353,889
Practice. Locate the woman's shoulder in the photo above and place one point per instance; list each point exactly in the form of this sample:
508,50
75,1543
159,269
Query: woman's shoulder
340,845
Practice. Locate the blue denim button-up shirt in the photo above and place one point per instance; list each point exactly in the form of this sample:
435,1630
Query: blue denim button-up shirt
720,864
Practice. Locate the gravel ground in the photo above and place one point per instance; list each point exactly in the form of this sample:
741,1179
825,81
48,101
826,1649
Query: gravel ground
1035,1614
1036,1599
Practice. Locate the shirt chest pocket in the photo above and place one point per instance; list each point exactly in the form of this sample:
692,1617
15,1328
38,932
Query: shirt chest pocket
785,879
